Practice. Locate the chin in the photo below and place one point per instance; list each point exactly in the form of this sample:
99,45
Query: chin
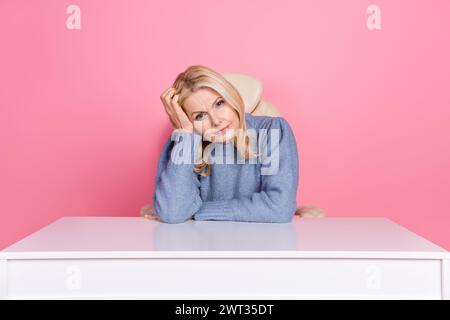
226,137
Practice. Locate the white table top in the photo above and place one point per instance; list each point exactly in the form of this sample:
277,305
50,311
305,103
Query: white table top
136,237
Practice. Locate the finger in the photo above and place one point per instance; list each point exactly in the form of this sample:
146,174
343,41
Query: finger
171,112
174,102
164,97
182,115
168,96
151,217
179,112
166,91
176,106
171,106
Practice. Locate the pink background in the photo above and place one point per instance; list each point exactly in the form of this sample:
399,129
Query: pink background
82,125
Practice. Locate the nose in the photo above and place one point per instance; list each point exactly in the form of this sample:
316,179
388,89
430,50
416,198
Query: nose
214,119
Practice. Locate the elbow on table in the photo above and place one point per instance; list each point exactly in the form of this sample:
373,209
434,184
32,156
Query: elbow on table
171,217
172,214
286,213
284,217
172,220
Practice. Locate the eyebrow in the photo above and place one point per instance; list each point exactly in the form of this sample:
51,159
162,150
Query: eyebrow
211,106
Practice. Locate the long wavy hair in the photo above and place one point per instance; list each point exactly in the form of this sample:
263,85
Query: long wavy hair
198,76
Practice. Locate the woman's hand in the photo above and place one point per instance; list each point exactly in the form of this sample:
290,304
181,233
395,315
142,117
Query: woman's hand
149,213
176,114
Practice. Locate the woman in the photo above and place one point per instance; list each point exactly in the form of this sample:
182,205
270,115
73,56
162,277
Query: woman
208,117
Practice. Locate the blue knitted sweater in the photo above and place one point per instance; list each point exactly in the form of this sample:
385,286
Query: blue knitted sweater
250,191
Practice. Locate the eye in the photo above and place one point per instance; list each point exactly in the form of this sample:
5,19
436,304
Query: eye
220,103
199,116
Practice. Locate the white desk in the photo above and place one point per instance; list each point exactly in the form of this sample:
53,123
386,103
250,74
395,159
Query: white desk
130,257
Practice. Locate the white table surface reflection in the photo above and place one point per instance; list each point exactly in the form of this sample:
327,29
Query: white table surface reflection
131,257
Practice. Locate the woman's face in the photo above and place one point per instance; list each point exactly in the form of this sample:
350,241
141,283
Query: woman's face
207,110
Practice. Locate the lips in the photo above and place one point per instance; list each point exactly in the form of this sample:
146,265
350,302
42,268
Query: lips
223,129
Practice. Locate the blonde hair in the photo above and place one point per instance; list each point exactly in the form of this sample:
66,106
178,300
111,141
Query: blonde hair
198,76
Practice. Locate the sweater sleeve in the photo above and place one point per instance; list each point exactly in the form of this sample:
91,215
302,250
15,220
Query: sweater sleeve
177,187
276,201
